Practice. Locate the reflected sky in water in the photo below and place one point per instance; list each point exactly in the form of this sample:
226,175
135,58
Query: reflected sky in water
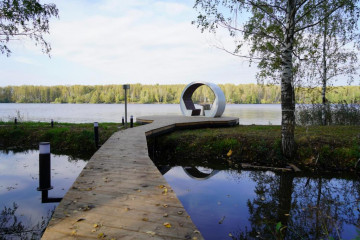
248,205
262,114
19,174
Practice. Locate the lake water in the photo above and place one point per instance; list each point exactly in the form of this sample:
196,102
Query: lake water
262,114
234,204
21,204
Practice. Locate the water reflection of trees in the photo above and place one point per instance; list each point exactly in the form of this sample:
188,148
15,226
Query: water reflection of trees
12,227
307,208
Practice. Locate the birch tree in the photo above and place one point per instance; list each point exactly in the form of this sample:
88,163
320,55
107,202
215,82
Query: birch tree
272,33
335,45
20,19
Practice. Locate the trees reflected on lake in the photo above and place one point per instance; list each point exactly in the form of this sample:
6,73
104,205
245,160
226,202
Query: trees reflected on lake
15,226
294,207
268,205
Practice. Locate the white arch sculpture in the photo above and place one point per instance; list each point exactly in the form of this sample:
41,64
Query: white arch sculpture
188,108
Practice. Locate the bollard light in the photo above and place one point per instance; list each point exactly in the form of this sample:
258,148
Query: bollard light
123,122
96,134
131,121
52,123
44,167
15,121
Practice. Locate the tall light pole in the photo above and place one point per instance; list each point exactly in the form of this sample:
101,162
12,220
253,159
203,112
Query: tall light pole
126,87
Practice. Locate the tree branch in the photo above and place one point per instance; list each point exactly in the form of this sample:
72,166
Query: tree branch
319,21
307,12
236,55
266,12
225,25
300,4
273,6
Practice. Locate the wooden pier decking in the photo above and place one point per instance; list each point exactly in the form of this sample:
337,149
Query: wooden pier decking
120,194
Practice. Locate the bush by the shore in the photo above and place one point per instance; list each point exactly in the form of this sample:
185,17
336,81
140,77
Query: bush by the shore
328,114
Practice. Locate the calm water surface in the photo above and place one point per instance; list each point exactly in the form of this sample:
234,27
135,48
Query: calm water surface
81,113
20,202
232,204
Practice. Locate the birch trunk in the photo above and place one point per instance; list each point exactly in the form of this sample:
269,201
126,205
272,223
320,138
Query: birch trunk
324,74
287,88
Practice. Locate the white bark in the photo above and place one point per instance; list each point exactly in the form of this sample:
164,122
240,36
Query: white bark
287,87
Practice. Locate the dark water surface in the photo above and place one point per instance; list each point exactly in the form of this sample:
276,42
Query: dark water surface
23,215
234,204
261,114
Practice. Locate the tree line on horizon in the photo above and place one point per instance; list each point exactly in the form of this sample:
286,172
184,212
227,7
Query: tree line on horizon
236,94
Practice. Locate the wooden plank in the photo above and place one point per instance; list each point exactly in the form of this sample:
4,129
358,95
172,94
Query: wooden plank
122,191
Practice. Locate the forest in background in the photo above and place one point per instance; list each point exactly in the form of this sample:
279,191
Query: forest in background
242,93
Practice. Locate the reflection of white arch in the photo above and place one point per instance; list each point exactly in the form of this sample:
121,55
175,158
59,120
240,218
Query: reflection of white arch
196,174
188,108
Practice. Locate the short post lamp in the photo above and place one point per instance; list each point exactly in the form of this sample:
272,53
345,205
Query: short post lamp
126,87
44,167
96,134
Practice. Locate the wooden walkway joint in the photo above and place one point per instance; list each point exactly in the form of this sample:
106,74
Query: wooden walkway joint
120,194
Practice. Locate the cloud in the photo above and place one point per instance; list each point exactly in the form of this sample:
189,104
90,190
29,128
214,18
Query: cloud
26,60
142,45
171,8
136,41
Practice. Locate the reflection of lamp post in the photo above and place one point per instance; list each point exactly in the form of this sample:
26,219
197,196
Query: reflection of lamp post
126,87
45,197
45,173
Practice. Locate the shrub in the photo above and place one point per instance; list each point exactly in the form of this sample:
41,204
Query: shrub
330,114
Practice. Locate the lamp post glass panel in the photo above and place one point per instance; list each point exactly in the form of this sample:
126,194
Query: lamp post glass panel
126,87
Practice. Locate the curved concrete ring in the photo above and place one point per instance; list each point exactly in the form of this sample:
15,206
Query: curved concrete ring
188,108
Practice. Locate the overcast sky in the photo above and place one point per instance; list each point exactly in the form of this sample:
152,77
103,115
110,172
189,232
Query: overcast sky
118,41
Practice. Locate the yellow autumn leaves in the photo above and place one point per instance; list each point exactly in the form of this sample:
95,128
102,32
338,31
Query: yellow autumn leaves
165,190
166,224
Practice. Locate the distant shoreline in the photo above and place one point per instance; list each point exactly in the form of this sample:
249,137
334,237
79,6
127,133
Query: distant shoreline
170,94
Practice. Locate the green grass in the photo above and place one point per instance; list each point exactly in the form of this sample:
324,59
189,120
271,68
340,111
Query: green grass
66,138
320,147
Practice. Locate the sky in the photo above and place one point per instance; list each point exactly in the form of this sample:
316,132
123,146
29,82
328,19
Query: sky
97,42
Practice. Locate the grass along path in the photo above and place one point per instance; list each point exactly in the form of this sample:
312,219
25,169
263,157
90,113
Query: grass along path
319,147
66,138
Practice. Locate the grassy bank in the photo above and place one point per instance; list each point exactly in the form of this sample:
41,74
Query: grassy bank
319,147
66,138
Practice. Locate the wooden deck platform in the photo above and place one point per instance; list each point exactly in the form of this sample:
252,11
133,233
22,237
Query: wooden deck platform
120,194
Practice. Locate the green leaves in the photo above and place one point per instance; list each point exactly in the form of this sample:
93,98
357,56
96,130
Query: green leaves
278,227
25,18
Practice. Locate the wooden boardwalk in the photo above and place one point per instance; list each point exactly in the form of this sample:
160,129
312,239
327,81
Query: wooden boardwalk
120,194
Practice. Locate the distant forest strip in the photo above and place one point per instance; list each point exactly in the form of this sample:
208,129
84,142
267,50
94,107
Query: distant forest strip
242,93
